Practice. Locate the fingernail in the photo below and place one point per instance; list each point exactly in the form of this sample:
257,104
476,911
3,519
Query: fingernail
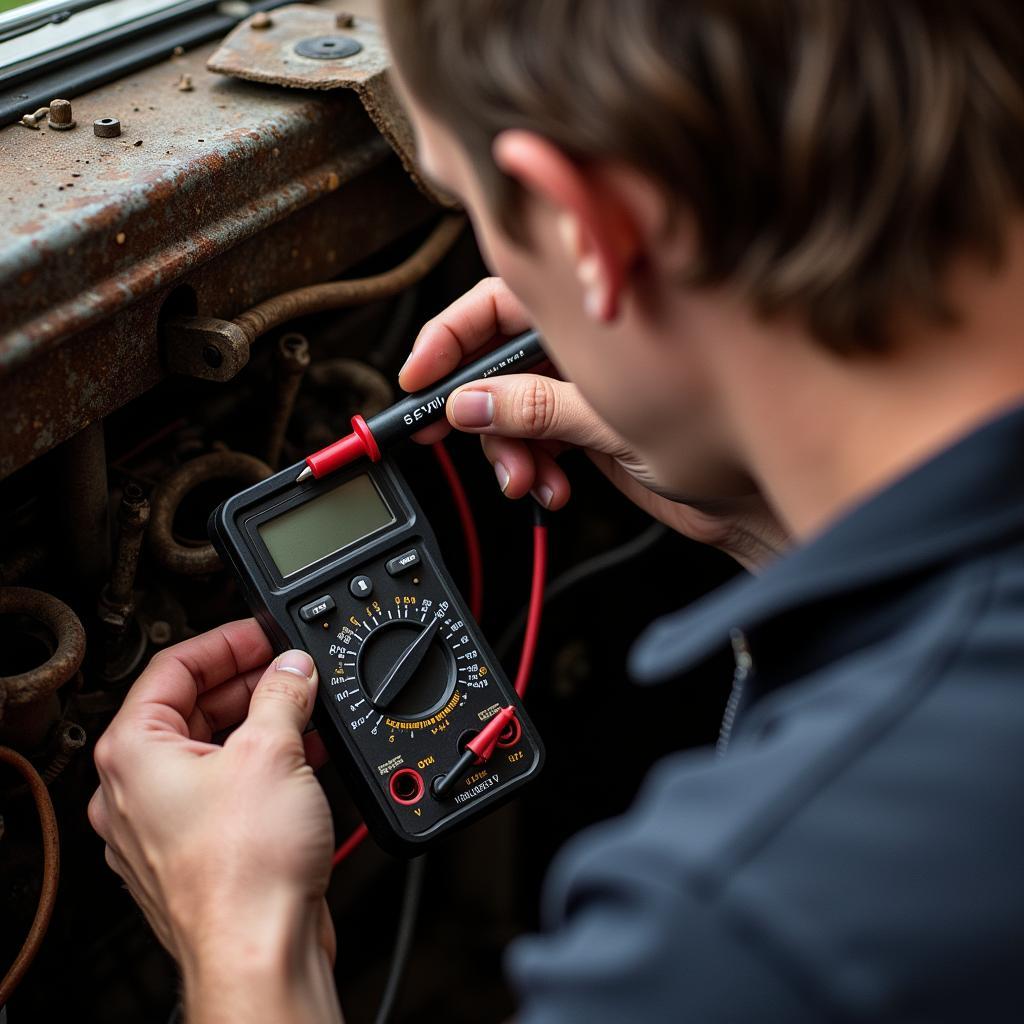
473,409
502,474
408,359
297,662
543,495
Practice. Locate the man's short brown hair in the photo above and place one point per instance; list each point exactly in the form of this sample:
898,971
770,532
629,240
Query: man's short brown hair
835,153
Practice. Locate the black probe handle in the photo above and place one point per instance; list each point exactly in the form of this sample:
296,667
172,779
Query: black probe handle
421,408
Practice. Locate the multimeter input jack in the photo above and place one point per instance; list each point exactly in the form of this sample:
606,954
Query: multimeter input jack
406,786
511,734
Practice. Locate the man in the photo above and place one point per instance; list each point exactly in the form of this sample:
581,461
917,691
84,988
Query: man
777,252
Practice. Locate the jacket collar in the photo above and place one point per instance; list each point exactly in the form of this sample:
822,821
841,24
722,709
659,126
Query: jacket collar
968,497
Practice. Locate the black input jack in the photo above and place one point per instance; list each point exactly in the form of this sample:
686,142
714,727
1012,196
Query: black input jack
406,786
511,734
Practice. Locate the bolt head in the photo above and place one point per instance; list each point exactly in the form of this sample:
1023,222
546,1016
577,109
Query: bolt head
344,19
261,20
160,632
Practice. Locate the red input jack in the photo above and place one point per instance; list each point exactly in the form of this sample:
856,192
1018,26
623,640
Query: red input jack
406,786
511,734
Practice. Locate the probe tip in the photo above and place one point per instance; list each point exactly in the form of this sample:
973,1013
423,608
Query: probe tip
304,475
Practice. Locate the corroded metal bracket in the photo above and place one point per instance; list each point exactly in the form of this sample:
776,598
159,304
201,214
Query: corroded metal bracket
204,347
289,47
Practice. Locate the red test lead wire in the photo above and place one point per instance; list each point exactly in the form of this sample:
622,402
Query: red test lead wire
350,844
474,558
536,607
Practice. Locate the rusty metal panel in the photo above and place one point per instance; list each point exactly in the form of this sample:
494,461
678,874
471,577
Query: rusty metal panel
238,190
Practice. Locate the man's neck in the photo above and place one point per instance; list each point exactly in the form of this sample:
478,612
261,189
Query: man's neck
822,432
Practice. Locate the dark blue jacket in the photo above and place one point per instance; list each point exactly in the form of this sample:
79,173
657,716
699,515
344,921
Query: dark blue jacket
857,852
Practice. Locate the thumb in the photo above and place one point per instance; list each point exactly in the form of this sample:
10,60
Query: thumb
530,405
284,697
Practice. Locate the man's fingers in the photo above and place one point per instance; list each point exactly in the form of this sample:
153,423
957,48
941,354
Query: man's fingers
328,936
523,467
98,815
224,706
435,432
283,698
530,406
168,689
486,312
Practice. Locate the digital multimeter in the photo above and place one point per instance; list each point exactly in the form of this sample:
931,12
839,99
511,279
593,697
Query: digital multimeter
348,569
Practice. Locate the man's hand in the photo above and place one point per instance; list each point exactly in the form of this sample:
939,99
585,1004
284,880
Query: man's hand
527,420
227,848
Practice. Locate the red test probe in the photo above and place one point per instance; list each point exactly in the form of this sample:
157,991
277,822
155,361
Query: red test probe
420,409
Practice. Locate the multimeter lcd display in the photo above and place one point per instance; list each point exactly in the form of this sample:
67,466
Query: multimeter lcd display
327,524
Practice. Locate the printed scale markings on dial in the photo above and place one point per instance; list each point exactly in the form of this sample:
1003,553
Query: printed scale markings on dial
411,682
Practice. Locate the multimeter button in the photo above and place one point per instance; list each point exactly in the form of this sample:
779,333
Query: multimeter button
360,586
404,561
313,610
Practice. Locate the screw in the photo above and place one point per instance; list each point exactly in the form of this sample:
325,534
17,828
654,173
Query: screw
261,20
60,116
160,632
106,127
344,19
185,83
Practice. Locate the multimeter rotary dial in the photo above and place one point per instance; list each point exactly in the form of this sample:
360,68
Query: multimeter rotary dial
403,664
405,668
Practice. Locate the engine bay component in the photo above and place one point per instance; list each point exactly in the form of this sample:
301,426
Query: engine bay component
195,558
214,349
124,641
319,298
51,872
291,360
204,347
38,626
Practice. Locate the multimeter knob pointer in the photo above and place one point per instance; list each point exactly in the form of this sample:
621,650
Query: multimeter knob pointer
403,670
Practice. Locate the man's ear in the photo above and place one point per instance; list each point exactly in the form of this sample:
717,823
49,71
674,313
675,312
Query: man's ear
595,222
